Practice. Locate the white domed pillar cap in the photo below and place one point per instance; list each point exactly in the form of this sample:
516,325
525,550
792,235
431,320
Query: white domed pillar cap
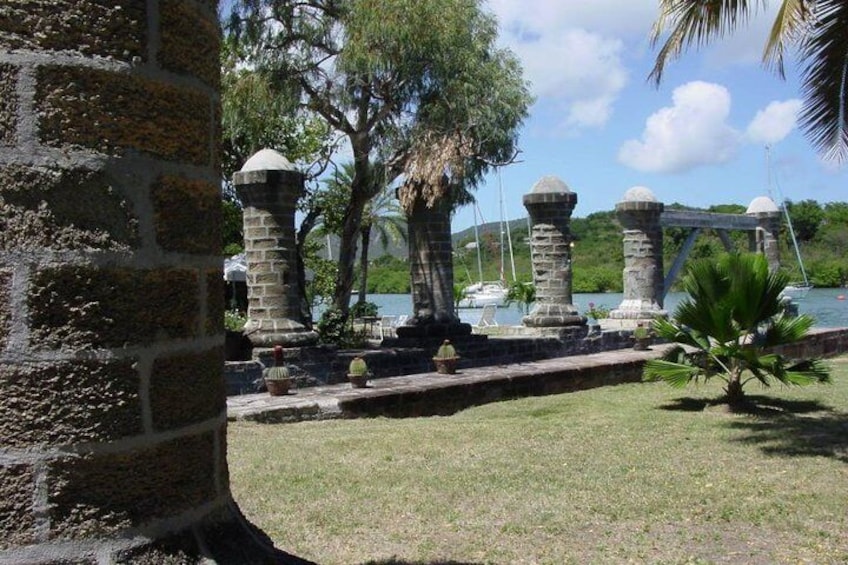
762,205
267,160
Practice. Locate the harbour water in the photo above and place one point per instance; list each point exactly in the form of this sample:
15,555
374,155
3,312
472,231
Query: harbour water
828,306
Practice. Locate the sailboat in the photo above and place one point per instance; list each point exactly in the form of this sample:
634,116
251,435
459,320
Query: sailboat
798,289
482,293
485,293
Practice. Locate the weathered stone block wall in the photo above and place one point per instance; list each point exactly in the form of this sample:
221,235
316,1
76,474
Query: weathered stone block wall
112,413
323,365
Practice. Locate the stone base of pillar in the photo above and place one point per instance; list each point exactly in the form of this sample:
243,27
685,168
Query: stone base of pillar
288,333
440,330
638,310
564,333
553,316
461,342
222,536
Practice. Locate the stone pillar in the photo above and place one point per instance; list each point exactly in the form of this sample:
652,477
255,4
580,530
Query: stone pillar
269,187
550,204
764,239
639,214
112,406
431,271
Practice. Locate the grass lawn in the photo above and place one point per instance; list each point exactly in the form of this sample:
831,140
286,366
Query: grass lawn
633,473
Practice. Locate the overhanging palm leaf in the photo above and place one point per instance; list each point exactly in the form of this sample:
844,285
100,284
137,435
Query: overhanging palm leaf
818,28
824,52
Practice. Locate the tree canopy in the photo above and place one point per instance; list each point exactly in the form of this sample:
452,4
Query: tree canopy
417,85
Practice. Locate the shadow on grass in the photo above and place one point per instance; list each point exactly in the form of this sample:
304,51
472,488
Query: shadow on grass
402,562
783,427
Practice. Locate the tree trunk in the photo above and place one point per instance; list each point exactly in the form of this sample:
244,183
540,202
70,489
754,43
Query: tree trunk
431,264
735,394
365,233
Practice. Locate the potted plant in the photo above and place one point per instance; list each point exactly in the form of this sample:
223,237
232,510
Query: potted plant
357,372
642,338
446,358
277,378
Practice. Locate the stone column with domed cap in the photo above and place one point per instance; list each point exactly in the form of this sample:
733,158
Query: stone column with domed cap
764,239
269,187
639,213
550,204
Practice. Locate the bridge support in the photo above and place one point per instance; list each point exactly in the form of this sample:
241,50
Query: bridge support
639,214
550,204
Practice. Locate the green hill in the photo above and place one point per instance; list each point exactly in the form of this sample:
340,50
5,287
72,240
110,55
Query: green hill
597,255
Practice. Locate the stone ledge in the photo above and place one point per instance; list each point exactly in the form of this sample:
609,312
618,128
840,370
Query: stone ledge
430,393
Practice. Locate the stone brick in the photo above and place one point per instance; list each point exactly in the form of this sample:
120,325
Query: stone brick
89,308
36,406
17,485
188,215
108,28
111,112
189,41
8,104
5,306
100,494
215,296
187,389
64,209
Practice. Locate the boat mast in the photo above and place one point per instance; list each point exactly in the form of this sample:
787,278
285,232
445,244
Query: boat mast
785,214
477,243
508,234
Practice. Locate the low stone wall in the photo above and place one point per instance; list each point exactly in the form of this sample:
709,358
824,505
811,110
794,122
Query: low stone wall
323,365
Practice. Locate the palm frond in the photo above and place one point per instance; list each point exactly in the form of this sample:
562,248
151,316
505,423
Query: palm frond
676,374
792,17
803,373
695,22
787,330
824,54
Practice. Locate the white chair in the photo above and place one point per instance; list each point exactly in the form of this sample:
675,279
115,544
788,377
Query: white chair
487,316
386,326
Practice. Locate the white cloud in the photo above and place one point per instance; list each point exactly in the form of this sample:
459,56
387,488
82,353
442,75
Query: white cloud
572,51
578,70
606,17
692,132
774,122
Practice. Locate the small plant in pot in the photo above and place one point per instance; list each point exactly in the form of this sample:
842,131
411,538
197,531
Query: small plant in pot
357,372
277,378
642,338
446,358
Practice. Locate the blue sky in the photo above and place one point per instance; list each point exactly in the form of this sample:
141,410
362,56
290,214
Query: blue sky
597,124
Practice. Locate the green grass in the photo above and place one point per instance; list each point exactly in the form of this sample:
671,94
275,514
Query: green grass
634,473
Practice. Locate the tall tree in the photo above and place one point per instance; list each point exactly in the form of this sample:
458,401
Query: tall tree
817,29
255,114
396,79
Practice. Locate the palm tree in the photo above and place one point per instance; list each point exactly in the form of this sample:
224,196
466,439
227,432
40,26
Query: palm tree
732,317
382,216
523,294
817,28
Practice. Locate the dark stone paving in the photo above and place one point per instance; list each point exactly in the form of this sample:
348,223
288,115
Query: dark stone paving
432,393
